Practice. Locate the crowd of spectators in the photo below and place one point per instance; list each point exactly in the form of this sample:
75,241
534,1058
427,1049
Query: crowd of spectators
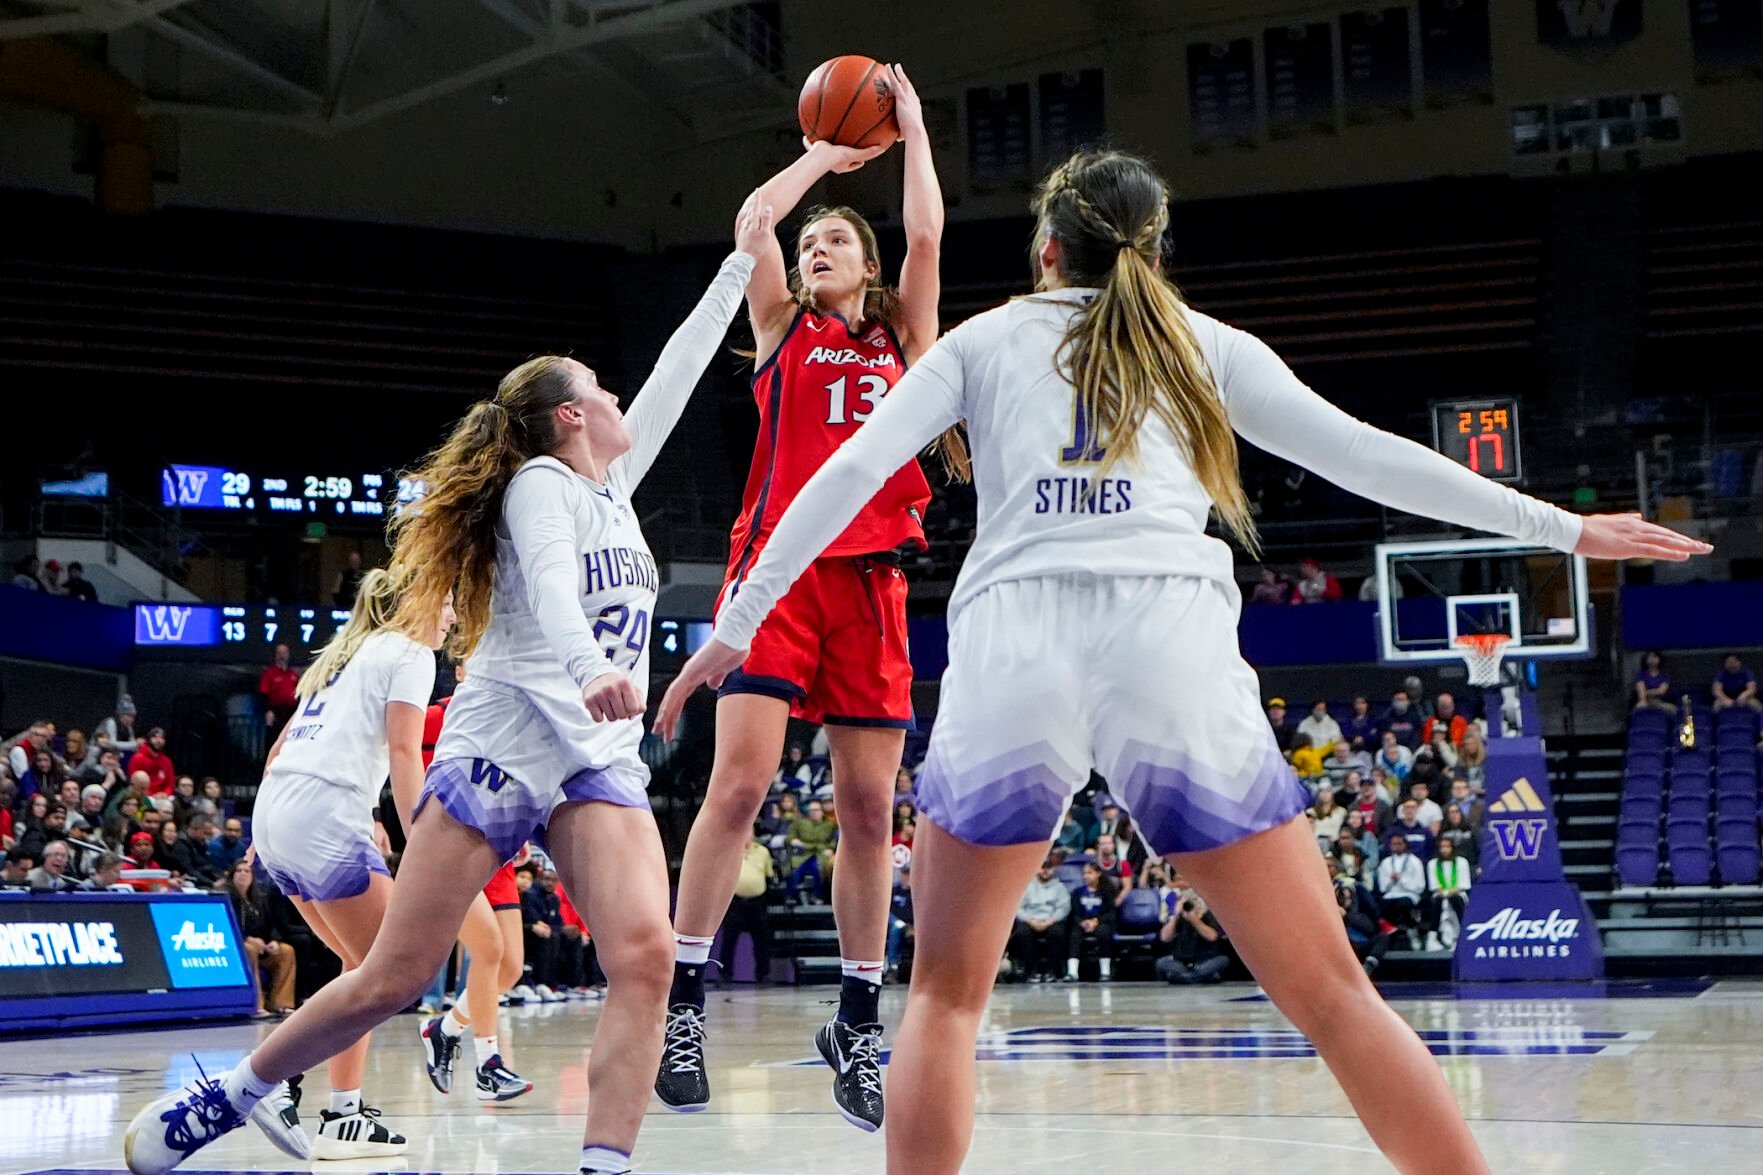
32,574
1734,686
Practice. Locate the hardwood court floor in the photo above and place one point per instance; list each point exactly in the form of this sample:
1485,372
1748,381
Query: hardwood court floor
1645,1079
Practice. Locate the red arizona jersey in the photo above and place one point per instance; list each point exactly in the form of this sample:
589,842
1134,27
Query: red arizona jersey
813,393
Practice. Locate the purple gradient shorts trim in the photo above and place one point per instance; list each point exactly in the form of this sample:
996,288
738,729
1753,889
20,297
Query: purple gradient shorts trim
510,812
329,880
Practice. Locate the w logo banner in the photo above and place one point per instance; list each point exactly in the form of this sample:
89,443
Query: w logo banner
1518,839
176,624
1588,26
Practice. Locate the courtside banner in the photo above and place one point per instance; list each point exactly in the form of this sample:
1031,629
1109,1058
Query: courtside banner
1515,930
96,958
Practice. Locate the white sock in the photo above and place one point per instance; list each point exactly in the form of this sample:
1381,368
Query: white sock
864,969
345,1101
1107,966
691,950
486,1048
1071,968
607,1160
463,1005
244,1088
451,1025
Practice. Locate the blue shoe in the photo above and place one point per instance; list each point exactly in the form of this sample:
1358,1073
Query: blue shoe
439,1052
176,1126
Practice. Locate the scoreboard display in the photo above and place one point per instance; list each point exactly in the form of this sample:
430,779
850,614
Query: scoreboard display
233,632
1481,436
319,497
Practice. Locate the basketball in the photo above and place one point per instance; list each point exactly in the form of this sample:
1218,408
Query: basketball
849,101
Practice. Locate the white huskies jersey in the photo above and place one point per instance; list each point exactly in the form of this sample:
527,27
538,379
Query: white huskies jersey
339,733
1042,511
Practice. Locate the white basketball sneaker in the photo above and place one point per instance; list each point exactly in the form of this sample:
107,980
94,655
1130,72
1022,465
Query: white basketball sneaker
357,1135
176,1126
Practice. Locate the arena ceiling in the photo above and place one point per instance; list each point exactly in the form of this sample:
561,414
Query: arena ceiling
714,67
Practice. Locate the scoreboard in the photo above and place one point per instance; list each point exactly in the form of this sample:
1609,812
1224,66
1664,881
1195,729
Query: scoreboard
318,497
1481,436
233,632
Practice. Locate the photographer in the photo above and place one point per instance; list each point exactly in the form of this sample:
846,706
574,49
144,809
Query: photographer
1196,943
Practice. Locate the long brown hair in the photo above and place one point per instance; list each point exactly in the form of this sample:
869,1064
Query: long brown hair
881,303
372,610
1131,353
446,542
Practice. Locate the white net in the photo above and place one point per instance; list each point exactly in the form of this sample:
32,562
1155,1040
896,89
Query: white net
1481,653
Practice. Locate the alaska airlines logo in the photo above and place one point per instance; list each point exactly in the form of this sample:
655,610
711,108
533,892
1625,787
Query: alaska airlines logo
188,938
1588,18
182,487
165,623
849,355
1518,839
1509,925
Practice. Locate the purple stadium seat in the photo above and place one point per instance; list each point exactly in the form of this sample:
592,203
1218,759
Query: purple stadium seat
1646,763
1638,831
1735,783
1692,864
1692,785
1637,864
1648,720
1643,785
1738,863
1640,807
1685,831
1688,807
1739,718
1140,910
1690,762
1734,737
1736,807
1730,831
1072,876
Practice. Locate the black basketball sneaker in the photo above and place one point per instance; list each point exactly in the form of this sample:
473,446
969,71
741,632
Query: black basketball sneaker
682,1085
854,1053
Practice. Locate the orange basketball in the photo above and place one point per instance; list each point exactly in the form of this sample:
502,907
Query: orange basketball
849,101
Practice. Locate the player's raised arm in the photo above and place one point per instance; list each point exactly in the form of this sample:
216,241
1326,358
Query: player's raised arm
921,285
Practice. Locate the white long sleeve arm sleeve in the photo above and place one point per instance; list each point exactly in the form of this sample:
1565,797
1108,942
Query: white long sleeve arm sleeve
543,531
1271,407
927,400
663,397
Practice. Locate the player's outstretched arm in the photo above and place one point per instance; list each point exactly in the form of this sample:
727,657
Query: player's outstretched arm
1272,407
657,407
921,284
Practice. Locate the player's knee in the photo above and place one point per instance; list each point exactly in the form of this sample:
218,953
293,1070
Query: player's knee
387,990
643,961
734,800
867,822
513,966
1325,998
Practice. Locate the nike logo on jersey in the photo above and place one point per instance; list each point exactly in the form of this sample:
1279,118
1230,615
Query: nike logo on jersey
849,355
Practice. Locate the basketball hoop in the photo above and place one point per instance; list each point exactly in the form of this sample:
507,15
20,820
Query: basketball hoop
1481,652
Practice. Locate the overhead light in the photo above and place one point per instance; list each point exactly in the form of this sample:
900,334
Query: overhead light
499,96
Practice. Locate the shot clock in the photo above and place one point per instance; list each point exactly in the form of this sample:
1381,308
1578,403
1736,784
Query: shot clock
1480,435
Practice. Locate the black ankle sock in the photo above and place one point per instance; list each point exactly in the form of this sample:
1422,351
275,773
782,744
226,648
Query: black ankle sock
859,1001
688,985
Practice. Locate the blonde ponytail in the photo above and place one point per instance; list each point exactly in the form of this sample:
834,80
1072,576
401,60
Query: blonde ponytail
372,611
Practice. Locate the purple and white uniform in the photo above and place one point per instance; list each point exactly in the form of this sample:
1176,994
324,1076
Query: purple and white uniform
1094,621
573,599
313,824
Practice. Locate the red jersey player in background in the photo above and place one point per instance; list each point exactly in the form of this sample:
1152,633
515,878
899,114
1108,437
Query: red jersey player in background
831,339
491,932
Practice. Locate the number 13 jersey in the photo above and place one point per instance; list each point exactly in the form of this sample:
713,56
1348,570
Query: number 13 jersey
814,391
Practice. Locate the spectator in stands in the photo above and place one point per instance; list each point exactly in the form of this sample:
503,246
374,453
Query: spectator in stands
51,876
1041,930
1272,589
1342,762
793,773
1445,718
165,845
1195,941
1314,585
52,578
69,794
29,824
117,732
1464,799
1416,690
1360,729
22,751
1435,758
19,867
227,849
277,686
1409,828
1320,726
1373,809
905,832
1735,685
1447,888
1350,859
1401,887
1108,818
1115,868
1369,940
77,753
1368,589
208,800
900,922
1365,836
749,912
348,582
1465,845
1330,816
1282,729
1091,926
183,800
121,823
811,843
152,759
106,875
1393,758
26,574
1652,685
267,953
903,783
1072,837
1428,813
1472,759
1130,845
140,854
1307,759
78,586
542,917
105,773
51,825
44,776
190,852
1401,720
86,851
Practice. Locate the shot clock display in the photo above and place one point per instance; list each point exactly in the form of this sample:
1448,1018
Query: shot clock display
319,497
233,632
1480,435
